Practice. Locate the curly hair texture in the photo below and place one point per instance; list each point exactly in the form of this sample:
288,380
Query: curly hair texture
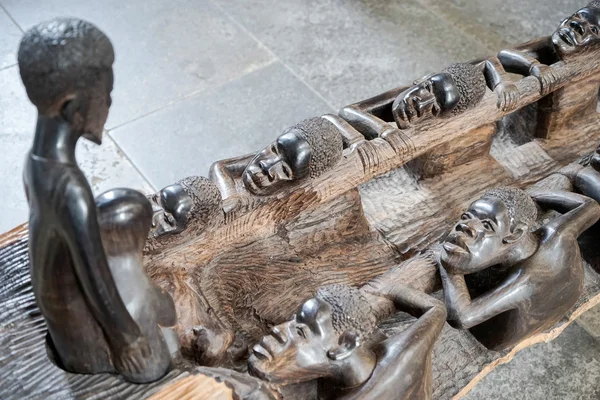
471,85
594,4
350,310
61,56
205,196
325,142
520,206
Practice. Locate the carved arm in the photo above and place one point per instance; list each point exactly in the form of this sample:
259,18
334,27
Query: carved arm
91,267
465,313
368,116
498,81
580,212
225,173
525,60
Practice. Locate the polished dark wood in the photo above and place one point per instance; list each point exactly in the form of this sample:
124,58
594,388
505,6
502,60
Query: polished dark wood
375,201
545,271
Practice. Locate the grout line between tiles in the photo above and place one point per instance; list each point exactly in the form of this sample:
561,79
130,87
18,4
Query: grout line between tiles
11,18
191,94
8,66
247,31
130,161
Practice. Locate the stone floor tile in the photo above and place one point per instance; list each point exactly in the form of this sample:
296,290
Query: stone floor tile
165,50
350,50
516,21
238,118
590,321
105,166
567,368
10,34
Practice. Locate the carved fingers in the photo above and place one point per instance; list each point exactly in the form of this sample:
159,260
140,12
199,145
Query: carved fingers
549,77
508,96
131,359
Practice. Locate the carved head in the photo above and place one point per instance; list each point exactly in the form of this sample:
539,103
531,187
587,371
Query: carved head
194,199
321,340
490,230
450,92
578,33
124,217
66,67
305,150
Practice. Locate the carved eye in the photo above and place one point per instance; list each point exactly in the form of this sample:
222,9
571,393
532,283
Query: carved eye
465,216
286,171
487,225
594,29
274,148
300,332
170,220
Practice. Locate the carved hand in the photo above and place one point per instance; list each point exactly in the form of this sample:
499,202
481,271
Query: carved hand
508,96
130,359
547,76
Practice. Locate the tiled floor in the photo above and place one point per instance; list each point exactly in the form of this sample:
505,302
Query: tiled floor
201,80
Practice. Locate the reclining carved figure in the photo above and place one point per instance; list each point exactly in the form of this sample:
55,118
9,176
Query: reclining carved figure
576,35
305,150
66,67
189,205
545,269
451,92
333,338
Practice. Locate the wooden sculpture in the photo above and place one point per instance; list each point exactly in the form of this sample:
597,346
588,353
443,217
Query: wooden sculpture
334,338
89,327
337,201
546,271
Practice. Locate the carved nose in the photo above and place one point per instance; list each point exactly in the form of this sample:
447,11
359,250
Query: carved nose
466,229
577,27
278,335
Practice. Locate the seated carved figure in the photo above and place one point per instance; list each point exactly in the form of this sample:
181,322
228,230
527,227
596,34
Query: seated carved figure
545,270
576,35
189,205
124,217
334,339
66,67
305,150
451,92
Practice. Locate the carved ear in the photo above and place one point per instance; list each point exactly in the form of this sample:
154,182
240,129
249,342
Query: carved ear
347,343
69,107
517,233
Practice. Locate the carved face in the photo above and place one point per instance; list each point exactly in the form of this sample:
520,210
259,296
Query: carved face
595,161
286,159
171,209
95,107
432,96
296,351
576,32
481,238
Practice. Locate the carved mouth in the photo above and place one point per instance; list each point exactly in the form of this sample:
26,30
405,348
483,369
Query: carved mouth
455,244
567,36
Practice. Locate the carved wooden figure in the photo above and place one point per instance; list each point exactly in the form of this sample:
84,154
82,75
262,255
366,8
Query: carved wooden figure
124,216
66,66
305,150
545,267
333,338
182,210
578,34
451,92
